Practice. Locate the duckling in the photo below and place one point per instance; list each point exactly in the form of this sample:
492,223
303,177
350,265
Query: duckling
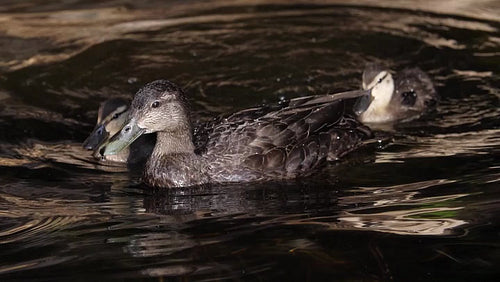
406,96
111,117
258,144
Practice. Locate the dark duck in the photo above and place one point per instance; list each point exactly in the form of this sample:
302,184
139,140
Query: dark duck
257,144
401,96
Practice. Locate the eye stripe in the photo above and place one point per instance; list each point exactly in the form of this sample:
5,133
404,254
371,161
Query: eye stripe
382,78
110,118
119,113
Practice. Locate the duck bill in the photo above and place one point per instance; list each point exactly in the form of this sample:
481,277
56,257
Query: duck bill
96,138
129,133
362,104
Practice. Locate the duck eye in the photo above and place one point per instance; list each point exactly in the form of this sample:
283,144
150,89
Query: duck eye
115,116
379,80
155,104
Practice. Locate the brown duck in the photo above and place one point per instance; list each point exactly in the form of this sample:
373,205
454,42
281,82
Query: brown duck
257,144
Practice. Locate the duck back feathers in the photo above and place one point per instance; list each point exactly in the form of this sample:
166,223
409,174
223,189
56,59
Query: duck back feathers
286,143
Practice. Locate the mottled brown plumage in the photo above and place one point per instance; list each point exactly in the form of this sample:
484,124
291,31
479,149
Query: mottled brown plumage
258,144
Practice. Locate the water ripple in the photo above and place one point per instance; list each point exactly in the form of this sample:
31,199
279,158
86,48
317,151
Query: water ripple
436,181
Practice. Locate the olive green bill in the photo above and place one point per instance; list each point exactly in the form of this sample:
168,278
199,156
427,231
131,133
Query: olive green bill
129,133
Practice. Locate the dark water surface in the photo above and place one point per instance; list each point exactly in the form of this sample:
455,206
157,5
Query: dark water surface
426,206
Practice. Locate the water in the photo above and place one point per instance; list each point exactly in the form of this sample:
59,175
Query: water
426,206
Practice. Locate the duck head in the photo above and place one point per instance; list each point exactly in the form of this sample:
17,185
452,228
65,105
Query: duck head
111,117
159,106
414,82
381,83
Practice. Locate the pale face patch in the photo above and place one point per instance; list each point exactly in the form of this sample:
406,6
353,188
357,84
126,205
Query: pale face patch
382,88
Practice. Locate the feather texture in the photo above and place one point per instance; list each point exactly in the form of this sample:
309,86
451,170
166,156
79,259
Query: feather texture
283,141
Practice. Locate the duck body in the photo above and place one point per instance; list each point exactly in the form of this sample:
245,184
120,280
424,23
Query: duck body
258,144
403,96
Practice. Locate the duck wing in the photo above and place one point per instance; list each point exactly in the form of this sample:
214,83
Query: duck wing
289,141
203,132
322,99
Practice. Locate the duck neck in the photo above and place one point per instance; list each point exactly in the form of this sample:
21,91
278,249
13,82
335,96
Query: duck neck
178,142
173,162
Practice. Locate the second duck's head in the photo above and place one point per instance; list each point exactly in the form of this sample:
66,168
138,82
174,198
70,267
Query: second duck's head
111,117
159,106
380,81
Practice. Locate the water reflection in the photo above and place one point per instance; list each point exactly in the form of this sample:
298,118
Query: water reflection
178,225
427,202
62,29
404,223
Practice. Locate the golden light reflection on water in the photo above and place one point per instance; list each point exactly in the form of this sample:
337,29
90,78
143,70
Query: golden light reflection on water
42,211
82,28
404,223
441,145
74,154
399,209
